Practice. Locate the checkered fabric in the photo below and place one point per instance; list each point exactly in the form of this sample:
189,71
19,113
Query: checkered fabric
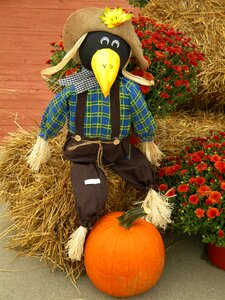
97,121
81,81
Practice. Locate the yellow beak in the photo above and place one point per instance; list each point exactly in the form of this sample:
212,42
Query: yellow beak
105,64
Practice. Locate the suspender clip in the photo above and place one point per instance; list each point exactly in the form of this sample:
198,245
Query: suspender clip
116,142
77,138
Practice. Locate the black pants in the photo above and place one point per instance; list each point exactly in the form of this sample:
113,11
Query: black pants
89,182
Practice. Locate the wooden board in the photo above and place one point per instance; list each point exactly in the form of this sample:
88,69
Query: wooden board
27,27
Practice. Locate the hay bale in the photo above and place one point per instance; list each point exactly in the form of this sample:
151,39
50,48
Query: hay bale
177,130
41,206
204,22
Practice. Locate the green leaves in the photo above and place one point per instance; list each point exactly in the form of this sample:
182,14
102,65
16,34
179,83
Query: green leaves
139,3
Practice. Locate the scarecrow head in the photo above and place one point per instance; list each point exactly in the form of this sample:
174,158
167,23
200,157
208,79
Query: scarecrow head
102,41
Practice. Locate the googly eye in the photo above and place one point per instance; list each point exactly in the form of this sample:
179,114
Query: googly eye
115,43
104,40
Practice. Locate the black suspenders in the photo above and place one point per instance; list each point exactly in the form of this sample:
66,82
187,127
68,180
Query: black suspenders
80,112
114,111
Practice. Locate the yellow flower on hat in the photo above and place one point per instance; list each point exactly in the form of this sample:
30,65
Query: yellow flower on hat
115,17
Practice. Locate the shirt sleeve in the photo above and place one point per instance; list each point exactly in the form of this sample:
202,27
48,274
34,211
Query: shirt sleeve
142,119
55,115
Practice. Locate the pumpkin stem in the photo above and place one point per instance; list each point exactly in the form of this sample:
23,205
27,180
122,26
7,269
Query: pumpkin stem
129,217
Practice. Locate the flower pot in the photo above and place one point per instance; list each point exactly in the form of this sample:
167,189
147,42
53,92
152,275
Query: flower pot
216,255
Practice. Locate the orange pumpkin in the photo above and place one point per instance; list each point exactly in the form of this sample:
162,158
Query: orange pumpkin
124,257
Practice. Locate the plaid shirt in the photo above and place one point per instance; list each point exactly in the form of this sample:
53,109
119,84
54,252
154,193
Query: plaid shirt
97,122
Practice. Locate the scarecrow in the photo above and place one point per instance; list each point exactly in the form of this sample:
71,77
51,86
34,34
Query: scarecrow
100,104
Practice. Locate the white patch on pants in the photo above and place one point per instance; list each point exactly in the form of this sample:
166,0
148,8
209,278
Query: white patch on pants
92,181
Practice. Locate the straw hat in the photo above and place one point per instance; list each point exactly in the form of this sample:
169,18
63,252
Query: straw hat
87,20
90,19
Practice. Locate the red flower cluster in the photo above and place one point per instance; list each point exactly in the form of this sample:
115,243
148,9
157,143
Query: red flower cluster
220,166
197,178
57,54
213,212
174,63
200,212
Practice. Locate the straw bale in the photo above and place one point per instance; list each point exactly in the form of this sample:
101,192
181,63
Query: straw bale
204,22
41,205
177,130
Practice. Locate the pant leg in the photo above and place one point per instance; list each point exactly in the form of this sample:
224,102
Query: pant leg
136,170
90,191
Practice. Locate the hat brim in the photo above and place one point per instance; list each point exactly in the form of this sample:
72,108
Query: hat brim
87,20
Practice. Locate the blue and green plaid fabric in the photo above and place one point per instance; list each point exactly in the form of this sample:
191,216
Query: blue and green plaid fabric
97,122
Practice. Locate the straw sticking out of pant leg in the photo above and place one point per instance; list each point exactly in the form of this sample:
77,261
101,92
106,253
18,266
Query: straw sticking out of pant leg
75,245
158,209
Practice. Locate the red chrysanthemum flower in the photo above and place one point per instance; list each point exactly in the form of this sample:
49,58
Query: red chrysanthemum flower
200,212
208,146
222,185
213,212
163,187
204,190
177,68
165,95
215,158
220,233
192,180
193,199
207,157
209,202
216,137
159,55
60,44
177,83
144,89
222,133
220,165
162,172
170,193
200,153
70,71
183,188
201,167
176,168
182,172
196,158
216,196
148,76
169,171
200,180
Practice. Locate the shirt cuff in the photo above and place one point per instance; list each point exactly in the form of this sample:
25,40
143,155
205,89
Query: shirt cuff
147,138
43,135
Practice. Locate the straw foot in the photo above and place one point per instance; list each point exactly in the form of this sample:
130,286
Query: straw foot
75,245
158,209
